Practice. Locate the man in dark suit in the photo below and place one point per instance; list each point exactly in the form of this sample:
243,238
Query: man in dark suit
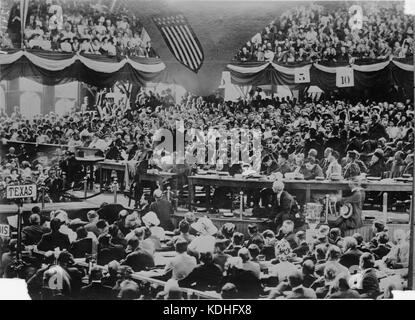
96,290
351,256
370,281
283,203
72,168
82,245
107,251
344,291
311,169
138,259
115,150
382,248
324,164
308,273
303,247
33,233
269,165
286,232
377,130
54,239
54,184
206,276
351,169
298,291
355,204
283,165
409,165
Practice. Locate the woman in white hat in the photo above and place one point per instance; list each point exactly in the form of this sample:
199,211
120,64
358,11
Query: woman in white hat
152,222
205,241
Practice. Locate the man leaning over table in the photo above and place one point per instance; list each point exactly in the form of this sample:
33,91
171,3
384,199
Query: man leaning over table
283,204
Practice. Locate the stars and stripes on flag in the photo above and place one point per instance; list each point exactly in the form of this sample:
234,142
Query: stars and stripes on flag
181,40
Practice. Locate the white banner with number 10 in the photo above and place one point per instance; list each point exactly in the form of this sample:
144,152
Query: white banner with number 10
344,77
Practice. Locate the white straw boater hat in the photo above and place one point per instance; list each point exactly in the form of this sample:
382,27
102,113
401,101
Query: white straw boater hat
205,225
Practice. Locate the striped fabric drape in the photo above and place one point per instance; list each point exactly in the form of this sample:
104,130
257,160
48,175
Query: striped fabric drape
367,74
53,68
254,67
58,61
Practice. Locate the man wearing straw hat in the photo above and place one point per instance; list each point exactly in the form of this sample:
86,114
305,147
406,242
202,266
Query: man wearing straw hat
351,207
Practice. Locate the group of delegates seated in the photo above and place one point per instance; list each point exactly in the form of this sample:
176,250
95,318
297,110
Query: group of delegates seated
80,26
312,32
326,138
221,261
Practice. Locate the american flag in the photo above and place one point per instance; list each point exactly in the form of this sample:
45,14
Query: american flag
181,40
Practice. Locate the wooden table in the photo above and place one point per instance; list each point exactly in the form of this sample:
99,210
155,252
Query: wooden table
307,185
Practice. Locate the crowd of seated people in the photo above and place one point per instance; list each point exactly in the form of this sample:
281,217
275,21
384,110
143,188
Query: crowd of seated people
312,32
220,262
327,138
79,26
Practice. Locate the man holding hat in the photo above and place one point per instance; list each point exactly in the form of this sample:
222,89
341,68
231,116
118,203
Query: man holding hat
376,166
351,211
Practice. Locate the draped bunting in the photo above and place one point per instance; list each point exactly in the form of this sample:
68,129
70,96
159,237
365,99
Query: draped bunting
246,68
404,66
53,68
367,74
